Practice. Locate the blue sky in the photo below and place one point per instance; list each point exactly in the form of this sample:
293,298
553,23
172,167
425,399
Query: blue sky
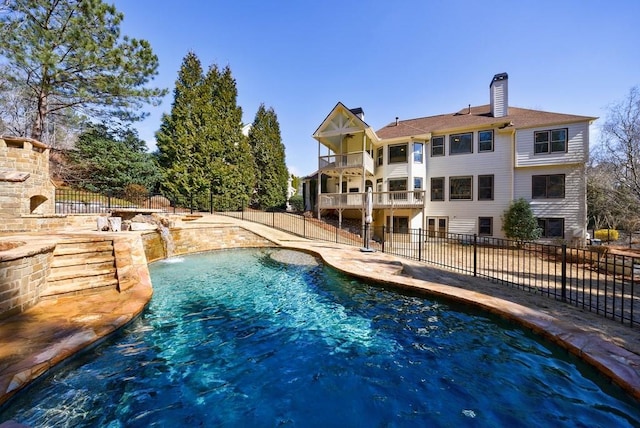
405,58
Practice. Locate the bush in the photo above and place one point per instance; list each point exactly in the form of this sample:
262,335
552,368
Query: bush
519,223
297,203
135,192
606,234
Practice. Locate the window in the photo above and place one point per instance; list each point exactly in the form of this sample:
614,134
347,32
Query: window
551,227
547,186
485,226
400,224
398,153
551,141
398,185
379,156
485,141
485,187
437,189
461,143
437,146
417,183
460,188
417,152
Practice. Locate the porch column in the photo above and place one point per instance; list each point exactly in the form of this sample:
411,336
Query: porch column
319,183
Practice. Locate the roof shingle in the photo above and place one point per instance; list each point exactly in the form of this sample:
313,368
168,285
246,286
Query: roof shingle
479,116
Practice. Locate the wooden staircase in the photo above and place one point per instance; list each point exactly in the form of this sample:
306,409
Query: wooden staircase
81,267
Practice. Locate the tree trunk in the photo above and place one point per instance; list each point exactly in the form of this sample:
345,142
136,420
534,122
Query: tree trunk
38,121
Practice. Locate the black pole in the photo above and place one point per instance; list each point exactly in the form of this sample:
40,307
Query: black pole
475,254
383,237
564,272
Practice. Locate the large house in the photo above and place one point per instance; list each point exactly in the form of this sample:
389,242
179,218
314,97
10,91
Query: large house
455,172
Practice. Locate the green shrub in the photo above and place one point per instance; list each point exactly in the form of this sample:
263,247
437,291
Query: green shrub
606,234
297,203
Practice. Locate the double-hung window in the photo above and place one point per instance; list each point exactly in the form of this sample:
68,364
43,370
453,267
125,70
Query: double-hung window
461,143
552,141
460,188
485,187
485,226
551,227
437,189
399,186
547,186
485,141
417,152
437,146
398,153
379,156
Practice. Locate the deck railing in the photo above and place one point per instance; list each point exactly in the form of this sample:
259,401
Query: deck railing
345,161
397,199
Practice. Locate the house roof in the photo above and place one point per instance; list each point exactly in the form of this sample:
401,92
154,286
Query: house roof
476,117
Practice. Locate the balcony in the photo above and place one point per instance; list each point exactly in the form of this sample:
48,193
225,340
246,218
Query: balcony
349,163
381,200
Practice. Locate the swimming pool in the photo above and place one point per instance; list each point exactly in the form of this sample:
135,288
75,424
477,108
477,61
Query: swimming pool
271,337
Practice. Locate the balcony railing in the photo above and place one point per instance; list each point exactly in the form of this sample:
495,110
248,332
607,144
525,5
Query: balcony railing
355,160
398,199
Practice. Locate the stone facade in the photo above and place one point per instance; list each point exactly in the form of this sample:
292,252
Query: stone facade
26,266
25,185
23,276
200,239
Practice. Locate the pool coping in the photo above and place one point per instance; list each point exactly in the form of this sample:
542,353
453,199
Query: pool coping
77,322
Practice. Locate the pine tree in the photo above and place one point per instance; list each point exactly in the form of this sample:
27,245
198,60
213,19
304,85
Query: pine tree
272,177
108,161
69,55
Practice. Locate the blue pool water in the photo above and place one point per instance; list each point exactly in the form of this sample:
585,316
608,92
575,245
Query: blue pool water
268,337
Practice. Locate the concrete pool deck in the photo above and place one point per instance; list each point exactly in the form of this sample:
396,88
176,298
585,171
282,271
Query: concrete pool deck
51,331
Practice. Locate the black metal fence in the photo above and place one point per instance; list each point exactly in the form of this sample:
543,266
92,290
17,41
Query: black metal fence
591,278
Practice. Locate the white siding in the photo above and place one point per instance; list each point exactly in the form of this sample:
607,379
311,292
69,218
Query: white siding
572,208
499,98
577,147
463,215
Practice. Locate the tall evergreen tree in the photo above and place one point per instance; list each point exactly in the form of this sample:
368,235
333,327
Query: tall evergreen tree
108,161
70,55
200,142
272,177
180,133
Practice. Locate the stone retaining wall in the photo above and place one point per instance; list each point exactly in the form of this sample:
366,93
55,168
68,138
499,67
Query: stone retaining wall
23,276
199,239
25,268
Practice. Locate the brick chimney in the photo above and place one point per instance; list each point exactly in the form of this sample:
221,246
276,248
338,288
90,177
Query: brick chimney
499,94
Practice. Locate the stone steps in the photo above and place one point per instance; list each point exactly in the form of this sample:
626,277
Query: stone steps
81,267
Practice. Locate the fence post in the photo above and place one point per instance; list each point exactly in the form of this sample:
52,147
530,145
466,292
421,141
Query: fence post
420,244
475,254
304,226
210,200
383,237
564,272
